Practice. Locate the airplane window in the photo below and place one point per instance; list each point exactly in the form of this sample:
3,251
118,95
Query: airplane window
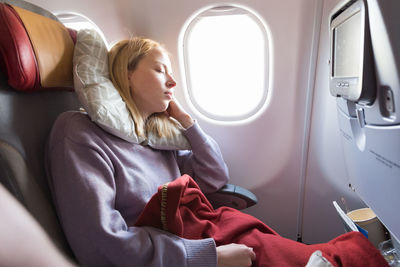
78,21
225,58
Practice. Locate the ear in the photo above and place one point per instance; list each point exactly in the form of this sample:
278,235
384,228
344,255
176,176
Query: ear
130,73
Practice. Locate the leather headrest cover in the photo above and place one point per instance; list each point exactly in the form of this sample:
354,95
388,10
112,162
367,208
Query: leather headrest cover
37,51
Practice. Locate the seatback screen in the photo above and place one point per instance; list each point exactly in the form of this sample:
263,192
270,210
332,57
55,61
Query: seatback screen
347,52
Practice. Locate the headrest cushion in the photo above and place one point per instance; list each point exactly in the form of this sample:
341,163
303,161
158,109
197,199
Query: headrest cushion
37,51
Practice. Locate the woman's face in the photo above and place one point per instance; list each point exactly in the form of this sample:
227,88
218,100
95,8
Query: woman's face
151,83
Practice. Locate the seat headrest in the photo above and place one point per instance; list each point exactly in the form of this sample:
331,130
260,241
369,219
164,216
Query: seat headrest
36,51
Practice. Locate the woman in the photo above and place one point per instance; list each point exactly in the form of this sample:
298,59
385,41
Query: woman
101,183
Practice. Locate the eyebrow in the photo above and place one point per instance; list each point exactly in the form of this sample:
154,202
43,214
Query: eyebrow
161,63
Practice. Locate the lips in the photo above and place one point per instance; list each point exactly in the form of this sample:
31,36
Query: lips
169,94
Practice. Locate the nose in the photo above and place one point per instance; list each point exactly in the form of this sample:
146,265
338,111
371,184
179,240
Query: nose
170,82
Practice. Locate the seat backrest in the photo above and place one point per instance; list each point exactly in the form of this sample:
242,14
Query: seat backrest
27,112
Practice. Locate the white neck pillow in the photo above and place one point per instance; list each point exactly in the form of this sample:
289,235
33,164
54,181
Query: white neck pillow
102,101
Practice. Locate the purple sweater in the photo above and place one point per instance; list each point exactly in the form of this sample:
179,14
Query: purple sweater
101,183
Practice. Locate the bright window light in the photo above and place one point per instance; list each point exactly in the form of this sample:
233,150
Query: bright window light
225,56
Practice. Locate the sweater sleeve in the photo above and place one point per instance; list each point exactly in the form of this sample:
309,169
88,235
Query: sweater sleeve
84,191
204,162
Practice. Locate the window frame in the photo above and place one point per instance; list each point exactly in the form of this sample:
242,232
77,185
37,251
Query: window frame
230,9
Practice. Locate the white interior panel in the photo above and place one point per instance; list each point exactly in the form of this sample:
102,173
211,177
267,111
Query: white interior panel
326,178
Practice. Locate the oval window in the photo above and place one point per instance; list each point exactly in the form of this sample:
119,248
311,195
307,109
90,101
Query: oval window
225,58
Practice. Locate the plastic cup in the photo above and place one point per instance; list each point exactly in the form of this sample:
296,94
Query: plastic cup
366,219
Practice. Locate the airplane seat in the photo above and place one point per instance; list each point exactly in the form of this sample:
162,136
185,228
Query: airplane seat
36,85
34,90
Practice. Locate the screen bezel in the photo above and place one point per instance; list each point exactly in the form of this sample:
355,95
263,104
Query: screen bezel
347,87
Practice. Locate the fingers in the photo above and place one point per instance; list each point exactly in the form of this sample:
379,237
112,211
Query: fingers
172,104
176,111
235,255
173,108
252,254
248,252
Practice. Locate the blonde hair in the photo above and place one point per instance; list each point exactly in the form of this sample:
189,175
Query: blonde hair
123,58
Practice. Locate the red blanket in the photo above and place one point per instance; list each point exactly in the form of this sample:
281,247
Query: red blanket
181,208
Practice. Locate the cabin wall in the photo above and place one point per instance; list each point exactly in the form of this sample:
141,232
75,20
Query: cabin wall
290,155
326,178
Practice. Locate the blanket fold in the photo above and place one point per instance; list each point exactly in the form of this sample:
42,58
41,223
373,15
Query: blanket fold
180,207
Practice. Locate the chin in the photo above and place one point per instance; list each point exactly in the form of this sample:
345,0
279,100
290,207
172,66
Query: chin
165,106
161,110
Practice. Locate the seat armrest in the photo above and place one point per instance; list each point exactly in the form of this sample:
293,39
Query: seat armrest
233,196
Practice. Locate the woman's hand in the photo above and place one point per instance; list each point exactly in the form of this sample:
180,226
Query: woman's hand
177,112
235,255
